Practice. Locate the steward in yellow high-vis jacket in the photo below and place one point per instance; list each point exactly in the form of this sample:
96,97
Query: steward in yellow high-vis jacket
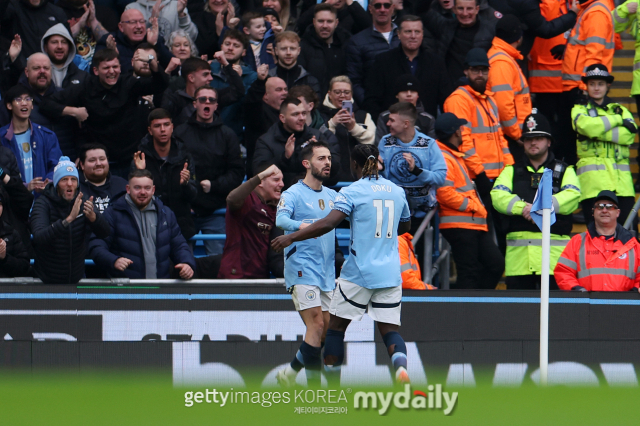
605,131
625,16
513,194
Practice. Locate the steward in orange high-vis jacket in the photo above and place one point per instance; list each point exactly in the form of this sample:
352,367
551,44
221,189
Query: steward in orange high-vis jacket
604,258
463,217
506,81
411,276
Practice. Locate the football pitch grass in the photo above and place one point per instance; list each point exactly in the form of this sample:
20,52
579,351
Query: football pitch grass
121,398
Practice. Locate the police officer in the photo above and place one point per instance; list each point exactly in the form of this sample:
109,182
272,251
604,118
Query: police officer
605,130
512,196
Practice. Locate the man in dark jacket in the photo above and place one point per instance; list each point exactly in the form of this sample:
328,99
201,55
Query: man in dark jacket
218,164
261,109
132,250
408,58
31,19
322,47
282,143
106,104
96,180
58,45
287,50
131,32
362,48
61,222
171,166
14,258
351,16
452,39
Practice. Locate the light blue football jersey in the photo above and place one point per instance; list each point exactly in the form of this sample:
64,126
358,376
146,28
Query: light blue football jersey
309,262
375,207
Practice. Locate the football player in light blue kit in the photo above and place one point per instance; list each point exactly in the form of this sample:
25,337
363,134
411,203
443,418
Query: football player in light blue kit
370,278
309,269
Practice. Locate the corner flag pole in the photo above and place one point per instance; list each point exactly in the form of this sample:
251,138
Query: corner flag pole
544,296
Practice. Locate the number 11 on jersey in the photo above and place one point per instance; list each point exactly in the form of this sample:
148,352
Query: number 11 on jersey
389,204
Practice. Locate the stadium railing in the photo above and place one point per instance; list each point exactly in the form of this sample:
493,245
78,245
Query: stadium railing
434,247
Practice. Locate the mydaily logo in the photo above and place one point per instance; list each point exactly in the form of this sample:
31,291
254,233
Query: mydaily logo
419,400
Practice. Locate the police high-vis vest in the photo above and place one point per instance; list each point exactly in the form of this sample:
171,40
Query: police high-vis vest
545,71
603,148
483,143
623,20
599,263
591,42
515,187
459,205
509,87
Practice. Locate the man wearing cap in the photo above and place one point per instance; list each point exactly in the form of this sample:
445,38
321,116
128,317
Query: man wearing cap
506,81
407,89
484,147
512,196
463,217
605,257
605,130
61,222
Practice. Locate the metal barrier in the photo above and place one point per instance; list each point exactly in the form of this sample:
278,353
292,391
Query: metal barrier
441,265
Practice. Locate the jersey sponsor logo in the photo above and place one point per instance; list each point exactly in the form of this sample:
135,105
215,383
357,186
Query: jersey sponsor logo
264,228
321,204
310,295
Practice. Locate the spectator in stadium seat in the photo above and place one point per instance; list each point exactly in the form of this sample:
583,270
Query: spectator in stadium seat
16,198
322,47
219,165
182,48
35,146
409,58
205,15
58,45
233,46
131,32
363,47
250,222
132,250
261,109
14,258
140,63
171,166
351,17
408,90
286,20
310,99
282,143
259,39
62,221
350,128
107,104
196,73
173,15
287,51
96,180
605,257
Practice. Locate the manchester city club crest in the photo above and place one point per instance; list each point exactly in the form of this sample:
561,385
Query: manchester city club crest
69,169
310,295
399,168
321,204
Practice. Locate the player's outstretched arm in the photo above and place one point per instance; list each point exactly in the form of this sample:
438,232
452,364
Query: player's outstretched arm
316,229
404,227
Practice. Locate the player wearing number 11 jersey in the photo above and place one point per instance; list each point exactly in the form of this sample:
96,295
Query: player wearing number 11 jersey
370,278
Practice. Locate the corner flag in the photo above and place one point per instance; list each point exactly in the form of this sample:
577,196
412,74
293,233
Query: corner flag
543,199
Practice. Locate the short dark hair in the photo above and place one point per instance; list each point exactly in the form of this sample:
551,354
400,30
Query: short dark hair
306,92
250,16
235,35
82,153
324,7
191,65
307,151
477,2
201,88
411,18
406,109
104,55
146,46
14,92
140,173
159,114
287,101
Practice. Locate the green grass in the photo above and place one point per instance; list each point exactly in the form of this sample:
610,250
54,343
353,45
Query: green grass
116,398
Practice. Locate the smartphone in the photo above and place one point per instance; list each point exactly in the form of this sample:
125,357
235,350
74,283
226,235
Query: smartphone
348,105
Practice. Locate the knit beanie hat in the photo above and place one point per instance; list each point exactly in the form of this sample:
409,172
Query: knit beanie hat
509,29
64,168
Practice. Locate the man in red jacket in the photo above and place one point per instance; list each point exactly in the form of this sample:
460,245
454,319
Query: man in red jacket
604,258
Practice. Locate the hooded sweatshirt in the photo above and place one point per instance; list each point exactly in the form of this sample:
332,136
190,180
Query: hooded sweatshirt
58,73
168,21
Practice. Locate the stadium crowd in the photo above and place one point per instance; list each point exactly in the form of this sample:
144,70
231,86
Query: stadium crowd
127,125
